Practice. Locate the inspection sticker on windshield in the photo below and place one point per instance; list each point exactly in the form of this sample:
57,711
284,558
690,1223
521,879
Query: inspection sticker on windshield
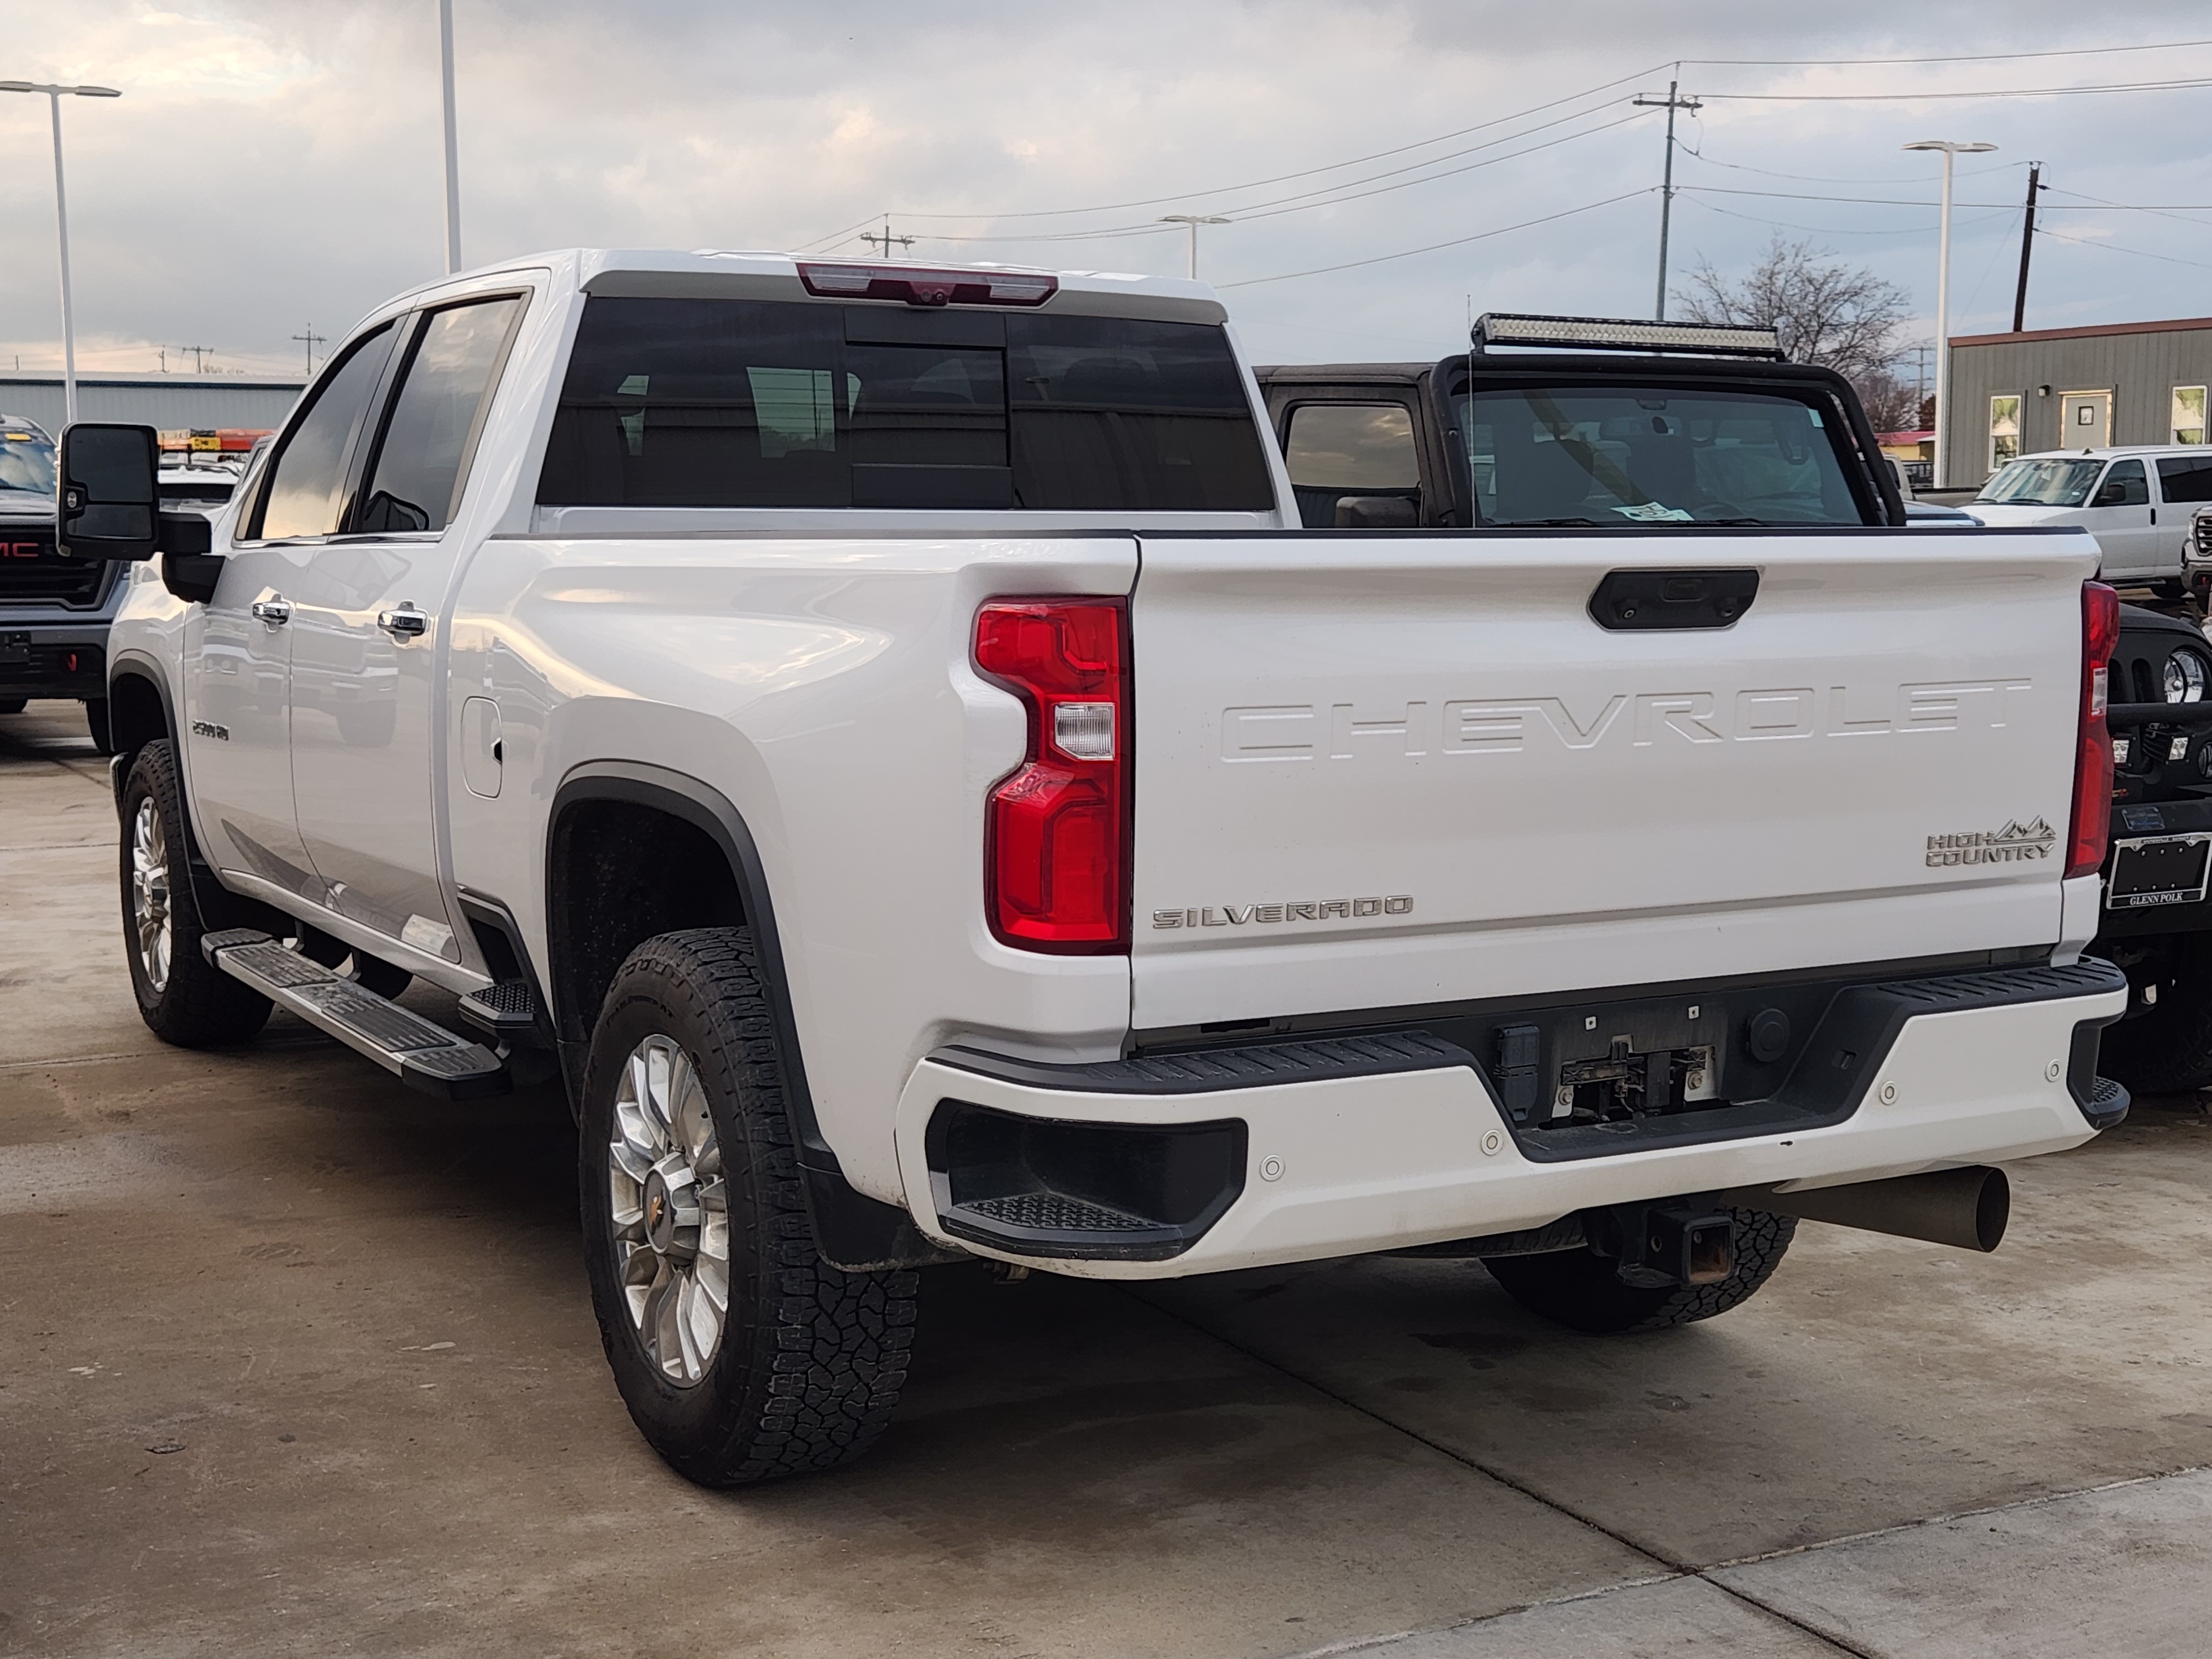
1652,513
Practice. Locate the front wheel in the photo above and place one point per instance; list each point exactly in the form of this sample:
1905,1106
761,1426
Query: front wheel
1580,1290
742,1355
182,998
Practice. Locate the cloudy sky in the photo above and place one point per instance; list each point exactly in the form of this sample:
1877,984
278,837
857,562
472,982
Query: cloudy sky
273,167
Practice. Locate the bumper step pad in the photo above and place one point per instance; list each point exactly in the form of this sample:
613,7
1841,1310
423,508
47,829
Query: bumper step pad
422,1054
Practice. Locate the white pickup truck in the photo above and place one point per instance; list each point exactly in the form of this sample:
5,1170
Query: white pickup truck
879,735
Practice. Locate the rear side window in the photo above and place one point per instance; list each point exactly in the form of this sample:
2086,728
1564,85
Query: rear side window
434,420
1336,450
2185,477
727,403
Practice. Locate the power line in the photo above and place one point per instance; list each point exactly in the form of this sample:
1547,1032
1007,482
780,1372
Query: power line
1968,57
1824,178
1916,97
1263,211
2163,213
835,236
1456,241
1897,200
1833,230
1307,172
2114,247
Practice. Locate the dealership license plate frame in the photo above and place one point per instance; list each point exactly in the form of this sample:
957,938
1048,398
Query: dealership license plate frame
2154,858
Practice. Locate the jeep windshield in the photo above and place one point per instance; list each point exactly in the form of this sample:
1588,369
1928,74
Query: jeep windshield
27,464
2042,483
1653,455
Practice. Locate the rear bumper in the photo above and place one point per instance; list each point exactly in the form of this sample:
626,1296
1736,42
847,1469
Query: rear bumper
1419,1153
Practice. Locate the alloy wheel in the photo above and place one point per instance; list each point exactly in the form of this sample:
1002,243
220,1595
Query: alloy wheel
670,1206
149,893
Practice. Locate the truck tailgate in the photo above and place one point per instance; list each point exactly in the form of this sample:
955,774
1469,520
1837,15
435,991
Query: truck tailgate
1379,771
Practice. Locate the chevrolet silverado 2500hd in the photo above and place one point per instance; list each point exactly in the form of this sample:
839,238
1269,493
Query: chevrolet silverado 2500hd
879,735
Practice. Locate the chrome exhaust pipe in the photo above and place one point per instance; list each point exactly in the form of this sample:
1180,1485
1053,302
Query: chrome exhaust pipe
1965,1208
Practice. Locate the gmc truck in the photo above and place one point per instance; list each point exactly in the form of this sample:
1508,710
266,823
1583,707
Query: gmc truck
879,735
54,612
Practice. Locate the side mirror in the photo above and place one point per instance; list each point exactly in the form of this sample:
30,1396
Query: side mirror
1377,513
190,569
107,492
2112,494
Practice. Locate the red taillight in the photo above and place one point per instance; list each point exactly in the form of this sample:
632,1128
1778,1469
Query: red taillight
918,286
1057,838
2093,764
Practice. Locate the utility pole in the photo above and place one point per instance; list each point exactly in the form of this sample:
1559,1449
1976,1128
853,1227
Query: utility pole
1670,103
311,340
1194,220
1920,375
2026,241
452,141
886,239
195,350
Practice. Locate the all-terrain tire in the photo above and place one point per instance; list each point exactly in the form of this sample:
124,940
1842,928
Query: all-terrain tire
810,1358
1580,1290
2168,1050
181,997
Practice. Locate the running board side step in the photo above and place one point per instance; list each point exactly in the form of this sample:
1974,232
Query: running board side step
422,1055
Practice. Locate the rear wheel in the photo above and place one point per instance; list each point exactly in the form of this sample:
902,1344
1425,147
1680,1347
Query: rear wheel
181,997
2167,1050
1579,1289
742,1355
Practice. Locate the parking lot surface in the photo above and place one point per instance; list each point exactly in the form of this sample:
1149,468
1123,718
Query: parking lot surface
294,1361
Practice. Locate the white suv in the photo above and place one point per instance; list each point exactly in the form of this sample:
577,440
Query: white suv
2117,495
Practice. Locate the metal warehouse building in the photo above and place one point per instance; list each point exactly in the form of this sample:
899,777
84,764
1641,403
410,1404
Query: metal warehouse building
2074,388
156,400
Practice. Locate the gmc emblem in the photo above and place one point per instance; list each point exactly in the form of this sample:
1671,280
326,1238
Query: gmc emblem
20,549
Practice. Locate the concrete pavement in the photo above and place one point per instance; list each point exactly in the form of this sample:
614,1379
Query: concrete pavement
292,1361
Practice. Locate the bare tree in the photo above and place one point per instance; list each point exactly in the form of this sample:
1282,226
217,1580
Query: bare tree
1827,312
1892,404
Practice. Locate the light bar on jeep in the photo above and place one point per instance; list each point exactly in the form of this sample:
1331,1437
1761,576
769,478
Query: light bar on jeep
919,285
1623,334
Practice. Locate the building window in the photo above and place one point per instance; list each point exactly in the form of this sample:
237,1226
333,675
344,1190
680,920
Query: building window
2004,430
2189,415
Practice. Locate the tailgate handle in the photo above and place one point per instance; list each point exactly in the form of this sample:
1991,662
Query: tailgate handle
1631,599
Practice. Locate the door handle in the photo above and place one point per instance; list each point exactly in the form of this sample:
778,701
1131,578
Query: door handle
276,611
405,623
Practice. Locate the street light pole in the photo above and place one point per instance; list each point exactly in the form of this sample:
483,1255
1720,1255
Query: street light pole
1194,220
1951,152
54,96
453,141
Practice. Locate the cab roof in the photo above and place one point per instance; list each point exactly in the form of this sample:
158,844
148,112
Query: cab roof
713,273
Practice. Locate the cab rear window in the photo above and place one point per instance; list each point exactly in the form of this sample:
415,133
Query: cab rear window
1649,454
728,402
